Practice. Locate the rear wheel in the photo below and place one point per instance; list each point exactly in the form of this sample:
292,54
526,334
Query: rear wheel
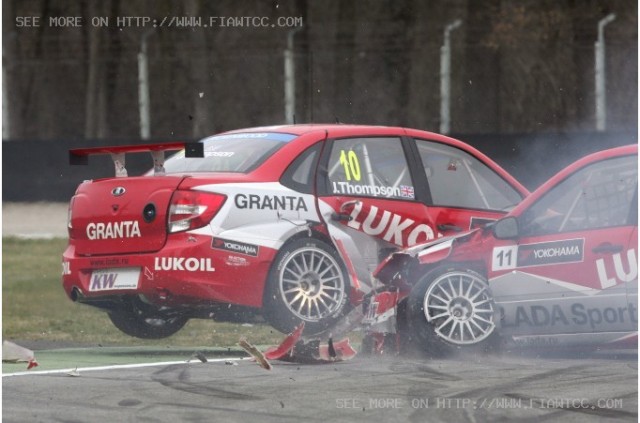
450,310
145,321
307,283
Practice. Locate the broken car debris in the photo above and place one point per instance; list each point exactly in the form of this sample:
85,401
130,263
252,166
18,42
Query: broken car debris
13,353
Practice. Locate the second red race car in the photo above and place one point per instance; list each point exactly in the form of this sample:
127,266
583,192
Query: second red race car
559,270
287,222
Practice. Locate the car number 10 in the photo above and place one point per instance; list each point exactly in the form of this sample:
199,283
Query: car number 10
351,165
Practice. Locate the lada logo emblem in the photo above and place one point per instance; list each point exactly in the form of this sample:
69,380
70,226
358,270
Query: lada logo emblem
118,191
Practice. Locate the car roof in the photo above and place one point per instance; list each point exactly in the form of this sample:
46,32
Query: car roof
301,129
611,153
337,130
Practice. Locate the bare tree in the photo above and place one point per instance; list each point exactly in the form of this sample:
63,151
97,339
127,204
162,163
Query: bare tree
516,66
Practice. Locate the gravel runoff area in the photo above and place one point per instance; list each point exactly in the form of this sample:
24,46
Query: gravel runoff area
34,220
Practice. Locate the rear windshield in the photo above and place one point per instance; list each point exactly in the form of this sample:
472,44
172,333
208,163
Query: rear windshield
230,153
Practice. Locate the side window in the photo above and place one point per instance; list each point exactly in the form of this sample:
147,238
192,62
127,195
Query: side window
300,174
457,179
600,195
369,167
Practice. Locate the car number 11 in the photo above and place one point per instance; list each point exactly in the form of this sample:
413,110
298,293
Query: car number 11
504,258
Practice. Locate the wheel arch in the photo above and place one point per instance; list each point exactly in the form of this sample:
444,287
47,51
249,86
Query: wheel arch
419,271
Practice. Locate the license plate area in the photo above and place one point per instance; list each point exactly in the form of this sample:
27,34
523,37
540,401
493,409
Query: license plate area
114,279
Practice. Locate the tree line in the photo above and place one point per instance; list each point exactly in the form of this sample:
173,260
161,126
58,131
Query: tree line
517,66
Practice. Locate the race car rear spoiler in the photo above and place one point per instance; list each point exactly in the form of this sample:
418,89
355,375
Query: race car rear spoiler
80,156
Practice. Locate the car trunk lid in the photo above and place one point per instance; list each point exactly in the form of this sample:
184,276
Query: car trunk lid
121,215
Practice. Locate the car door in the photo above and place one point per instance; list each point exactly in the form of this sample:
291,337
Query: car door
463,192
369,201
571,265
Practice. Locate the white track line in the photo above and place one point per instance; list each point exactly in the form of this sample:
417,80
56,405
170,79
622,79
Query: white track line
117,367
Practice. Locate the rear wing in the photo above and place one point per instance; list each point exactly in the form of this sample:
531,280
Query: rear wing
80,156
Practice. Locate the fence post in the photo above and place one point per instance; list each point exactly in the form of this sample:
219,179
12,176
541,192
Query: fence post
445,78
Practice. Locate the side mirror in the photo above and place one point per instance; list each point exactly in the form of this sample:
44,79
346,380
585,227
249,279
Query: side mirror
506,228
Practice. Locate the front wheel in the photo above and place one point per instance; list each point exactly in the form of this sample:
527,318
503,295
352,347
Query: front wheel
143,321
450,310
306,283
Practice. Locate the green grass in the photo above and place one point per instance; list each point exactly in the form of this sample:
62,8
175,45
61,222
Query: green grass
35,307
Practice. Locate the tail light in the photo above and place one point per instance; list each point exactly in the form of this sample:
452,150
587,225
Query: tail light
192,209
70,218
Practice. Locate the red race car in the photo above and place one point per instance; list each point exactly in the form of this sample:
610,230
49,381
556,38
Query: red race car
560,269
288,222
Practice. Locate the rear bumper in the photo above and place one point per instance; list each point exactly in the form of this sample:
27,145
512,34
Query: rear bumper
187,271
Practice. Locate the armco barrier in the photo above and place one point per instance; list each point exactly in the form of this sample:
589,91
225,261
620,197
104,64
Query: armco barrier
39,170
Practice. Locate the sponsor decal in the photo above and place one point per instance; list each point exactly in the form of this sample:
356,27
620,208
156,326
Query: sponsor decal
236,136
109,262
540,254
270,202
236,261
619,274
219,153
66,268
389,226
113,230
236,247
109,279
346,188
274,136
188,264
554,252
575,315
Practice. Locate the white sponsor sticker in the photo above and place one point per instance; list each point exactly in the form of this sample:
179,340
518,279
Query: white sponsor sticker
504,258
219,153
189,264
111,279
66,268
113,230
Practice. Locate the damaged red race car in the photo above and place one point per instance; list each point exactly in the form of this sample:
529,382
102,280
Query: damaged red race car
287,222
561,269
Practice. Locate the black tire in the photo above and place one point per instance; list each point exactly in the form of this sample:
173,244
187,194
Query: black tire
460,313
142,321
307,282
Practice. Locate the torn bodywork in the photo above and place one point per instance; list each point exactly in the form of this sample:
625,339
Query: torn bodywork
296,349
379,314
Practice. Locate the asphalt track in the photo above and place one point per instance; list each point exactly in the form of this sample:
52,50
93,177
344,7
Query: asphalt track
104,388
159,385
